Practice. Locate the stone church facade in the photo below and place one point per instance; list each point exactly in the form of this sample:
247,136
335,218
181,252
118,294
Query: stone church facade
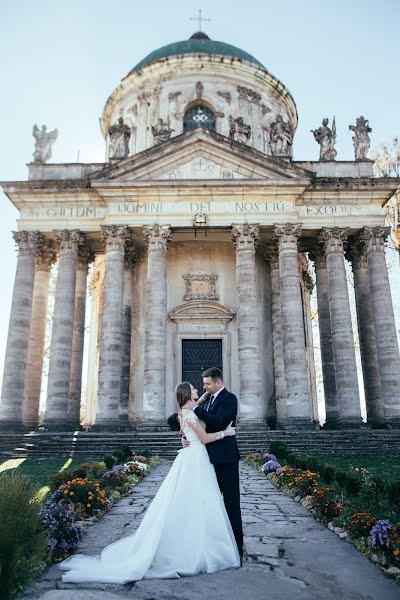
201,229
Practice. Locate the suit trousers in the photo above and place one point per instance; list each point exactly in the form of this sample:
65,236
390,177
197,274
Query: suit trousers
228,480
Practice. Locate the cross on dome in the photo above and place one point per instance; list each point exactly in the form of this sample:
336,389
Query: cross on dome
199,19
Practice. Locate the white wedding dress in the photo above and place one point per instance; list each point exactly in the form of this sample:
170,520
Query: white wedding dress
184,531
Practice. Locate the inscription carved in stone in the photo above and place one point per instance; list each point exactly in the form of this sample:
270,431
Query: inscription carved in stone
200,286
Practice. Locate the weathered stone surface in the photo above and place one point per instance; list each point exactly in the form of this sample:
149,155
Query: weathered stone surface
62,333
13,390
251,406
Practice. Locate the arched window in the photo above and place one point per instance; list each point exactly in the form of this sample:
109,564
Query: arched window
198,116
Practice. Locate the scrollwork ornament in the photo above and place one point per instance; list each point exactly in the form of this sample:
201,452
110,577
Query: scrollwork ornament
334,239
374,238
157,236
245,237
286,236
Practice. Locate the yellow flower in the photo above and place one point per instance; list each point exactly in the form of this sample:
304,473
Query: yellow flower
71,493
65,491
89,505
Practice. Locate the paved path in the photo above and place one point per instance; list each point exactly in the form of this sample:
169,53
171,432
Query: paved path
289,556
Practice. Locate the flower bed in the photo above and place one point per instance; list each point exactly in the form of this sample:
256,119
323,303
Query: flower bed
356,505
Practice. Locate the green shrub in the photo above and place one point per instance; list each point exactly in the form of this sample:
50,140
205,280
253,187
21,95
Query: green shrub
353,485
122,453
22,545
393,492
109,461
61,477
280,449
173,422
341,477
327,473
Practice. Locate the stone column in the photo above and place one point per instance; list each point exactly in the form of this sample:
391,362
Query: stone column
75,383
384,324
294,342
33,378
252,404
56,416
366,334
155,347
325,337
109,386
13,390
271,255
333,241
130,259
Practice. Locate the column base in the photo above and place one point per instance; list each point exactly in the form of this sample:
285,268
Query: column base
344,423
59,425
297,424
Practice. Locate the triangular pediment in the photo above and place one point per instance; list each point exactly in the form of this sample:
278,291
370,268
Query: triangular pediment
201,155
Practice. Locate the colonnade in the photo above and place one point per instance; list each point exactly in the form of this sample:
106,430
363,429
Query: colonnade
377,331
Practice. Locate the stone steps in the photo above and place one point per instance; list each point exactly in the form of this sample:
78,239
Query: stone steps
166,444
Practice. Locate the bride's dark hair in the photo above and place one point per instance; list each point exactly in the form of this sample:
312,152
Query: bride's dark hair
183,393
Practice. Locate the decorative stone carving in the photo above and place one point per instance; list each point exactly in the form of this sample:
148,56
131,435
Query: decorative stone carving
225,96
287,235
46,257
245,236
119,138
281,137
68,240
326,139
361,139
28,242
238,130
200,286
249,95
199,90
334,239
374,238
173,96
157,236
265,109
43,143
115,236
162,131
133,109
200,220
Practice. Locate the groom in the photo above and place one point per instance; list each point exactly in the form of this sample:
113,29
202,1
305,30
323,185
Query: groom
217,412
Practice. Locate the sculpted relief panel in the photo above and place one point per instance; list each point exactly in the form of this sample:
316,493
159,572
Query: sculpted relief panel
201,168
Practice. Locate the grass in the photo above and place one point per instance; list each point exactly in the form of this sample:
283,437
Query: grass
383,466
38,470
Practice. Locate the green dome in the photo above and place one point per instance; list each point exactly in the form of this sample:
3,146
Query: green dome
199,43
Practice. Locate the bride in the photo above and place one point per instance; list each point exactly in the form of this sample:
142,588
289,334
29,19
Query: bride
185,529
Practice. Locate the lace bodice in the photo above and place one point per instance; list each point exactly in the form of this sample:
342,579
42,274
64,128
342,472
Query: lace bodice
187,430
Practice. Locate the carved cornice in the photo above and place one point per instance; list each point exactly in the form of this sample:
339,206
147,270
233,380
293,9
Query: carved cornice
115,236
28,242
157,236
245,237
68,240
334,239
374,238
287,236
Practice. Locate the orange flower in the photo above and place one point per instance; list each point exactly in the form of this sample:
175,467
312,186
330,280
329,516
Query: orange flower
89,505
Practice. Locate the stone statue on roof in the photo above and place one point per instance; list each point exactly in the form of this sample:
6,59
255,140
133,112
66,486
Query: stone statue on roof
44,141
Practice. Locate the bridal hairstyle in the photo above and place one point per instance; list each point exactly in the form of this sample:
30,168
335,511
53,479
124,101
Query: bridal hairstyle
183,393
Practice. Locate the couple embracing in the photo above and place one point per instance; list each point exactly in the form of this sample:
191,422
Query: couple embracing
193,525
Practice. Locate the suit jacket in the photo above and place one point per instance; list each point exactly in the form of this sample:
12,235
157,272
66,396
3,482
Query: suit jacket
221,413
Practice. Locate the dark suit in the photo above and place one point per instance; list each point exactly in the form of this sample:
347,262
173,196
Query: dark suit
224,455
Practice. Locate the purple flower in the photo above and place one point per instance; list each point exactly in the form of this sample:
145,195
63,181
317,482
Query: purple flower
271,466
380,534
269,456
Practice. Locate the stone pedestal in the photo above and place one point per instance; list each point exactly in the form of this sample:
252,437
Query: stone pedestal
325,337
366,334
109,386
252,405
344,358
130,259
37,334
155,359
294,343
56,416
15,364
75,386
373,239
279,410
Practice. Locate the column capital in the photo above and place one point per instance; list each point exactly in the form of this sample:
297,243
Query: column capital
356,253
28,242
157,236
317,255
270,253
245,236
334,239
115,236
374,238
287,235
130,257
85,257
46,257
68,240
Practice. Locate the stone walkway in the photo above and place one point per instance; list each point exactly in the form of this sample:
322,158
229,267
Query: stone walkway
289,555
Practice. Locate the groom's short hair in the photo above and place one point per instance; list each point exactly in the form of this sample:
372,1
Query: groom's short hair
214,373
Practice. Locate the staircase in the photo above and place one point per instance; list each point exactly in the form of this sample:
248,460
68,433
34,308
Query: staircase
167,443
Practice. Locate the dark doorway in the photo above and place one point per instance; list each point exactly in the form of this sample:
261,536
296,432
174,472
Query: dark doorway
197,356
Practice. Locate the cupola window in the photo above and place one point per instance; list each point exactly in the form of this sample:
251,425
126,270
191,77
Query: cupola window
198,116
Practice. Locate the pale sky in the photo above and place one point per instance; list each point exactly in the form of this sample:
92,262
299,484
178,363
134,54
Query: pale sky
59,62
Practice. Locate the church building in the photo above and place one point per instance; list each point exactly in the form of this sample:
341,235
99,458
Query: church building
195,240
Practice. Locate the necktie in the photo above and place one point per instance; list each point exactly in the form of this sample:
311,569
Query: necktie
210,401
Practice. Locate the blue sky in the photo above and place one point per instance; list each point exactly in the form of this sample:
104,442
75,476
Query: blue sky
59,62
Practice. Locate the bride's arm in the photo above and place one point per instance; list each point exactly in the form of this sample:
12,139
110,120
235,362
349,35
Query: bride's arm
206,438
